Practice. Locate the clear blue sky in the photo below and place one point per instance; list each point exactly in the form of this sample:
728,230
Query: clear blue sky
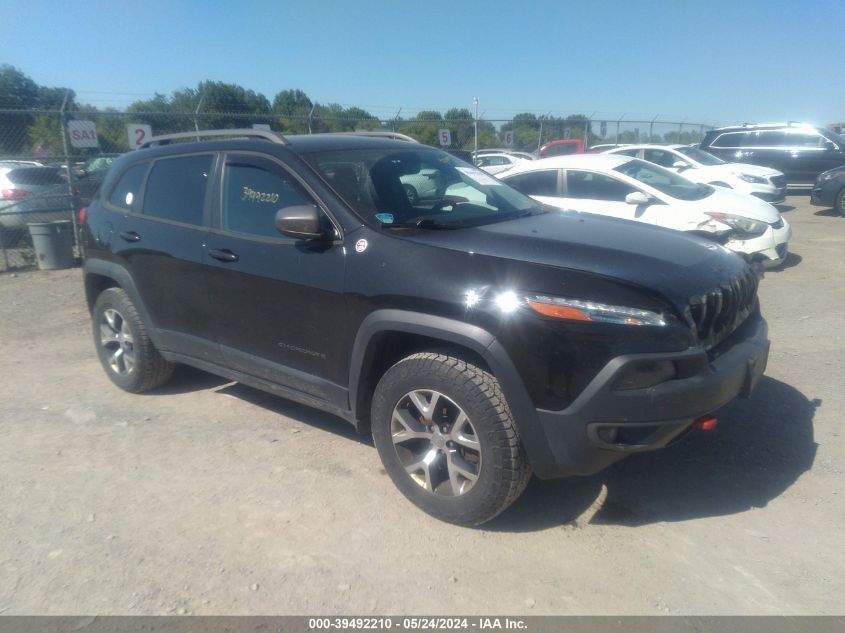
711,61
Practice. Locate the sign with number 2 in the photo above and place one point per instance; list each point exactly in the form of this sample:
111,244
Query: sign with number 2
139,133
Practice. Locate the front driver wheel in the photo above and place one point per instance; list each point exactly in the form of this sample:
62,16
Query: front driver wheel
447,439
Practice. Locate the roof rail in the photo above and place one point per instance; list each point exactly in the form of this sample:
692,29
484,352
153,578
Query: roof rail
165,139
380,134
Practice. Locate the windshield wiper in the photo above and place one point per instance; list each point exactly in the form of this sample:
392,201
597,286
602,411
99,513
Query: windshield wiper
424,223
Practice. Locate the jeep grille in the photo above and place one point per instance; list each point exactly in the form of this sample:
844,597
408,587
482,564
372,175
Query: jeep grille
717,313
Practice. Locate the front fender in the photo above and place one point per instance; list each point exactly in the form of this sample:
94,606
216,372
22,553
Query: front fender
468,336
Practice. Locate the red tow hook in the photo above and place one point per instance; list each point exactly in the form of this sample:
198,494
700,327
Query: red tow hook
705,423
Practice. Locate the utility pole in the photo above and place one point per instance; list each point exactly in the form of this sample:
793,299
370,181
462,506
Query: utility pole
475,101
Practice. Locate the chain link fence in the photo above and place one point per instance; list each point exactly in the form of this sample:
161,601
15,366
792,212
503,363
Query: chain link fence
53,162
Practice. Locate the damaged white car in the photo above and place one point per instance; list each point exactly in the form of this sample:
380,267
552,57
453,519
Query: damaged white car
633,189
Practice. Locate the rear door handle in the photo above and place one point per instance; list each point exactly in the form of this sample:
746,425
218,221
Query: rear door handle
223,255
130,236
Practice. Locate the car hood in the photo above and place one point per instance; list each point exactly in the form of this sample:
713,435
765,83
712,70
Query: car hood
743,204
673,264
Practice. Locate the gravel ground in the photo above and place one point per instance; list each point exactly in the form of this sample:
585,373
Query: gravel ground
209,497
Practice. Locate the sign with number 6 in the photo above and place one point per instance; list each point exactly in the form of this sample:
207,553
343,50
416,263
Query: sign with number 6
445,137
139,133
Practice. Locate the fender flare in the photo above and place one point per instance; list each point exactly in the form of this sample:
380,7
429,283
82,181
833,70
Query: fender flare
468,336
124,280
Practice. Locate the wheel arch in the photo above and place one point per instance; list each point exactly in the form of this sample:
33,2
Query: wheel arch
100,275
387,336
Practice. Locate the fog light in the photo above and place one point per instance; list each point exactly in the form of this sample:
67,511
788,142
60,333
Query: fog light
643,374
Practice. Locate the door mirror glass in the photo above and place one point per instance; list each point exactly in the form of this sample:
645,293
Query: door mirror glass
301,221
681,164
637,197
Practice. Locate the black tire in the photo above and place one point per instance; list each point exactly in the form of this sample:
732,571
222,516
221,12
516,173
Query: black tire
149,369
502,470
412,194
839,203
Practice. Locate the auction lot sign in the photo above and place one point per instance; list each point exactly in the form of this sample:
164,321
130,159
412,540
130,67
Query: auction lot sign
82,133
531,624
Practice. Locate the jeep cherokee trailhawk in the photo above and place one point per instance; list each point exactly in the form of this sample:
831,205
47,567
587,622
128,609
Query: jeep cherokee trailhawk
478,335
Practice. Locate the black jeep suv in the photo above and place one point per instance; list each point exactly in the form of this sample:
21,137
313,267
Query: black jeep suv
798,150
477,335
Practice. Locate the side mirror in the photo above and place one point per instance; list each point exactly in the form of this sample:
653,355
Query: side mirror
300,221
637,198
680,164
830,146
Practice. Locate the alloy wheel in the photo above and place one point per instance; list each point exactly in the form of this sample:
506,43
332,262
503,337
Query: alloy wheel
116,339
436,443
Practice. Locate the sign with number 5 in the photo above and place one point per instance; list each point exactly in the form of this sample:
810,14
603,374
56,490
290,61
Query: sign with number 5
445,137
139,133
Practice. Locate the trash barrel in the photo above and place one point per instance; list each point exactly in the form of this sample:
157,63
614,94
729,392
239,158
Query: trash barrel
53,242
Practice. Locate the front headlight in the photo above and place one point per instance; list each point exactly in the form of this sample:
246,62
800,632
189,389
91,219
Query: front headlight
829,175
739,223
579,310
749,178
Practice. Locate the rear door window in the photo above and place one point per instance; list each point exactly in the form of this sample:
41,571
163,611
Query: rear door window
535,183
254,189
126,193
176,188
765,138
660,157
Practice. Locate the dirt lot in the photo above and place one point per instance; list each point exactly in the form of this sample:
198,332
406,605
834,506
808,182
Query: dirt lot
209,497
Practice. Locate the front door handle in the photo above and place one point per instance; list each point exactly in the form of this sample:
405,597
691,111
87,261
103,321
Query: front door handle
130,236
223,255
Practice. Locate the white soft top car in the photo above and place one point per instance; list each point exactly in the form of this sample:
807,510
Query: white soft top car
699,166
633,189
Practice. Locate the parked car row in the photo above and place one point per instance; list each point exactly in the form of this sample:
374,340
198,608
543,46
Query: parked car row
623,186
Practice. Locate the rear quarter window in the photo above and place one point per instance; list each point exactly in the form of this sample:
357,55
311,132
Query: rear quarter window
126,193
536,183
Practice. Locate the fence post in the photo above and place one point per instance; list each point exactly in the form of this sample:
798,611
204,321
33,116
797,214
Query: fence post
71,185
475,155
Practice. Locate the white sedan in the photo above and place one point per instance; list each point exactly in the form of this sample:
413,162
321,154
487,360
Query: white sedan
699,166
496,163
633,189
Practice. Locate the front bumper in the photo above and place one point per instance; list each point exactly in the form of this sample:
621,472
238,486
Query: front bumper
605,424
823,195
770,248
775,197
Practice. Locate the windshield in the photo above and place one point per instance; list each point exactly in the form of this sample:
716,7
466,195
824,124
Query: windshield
699,155
425,187
664,180
833,136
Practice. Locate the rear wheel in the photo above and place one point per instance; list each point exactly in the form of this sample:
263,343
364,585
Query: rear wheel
447,439
839,203
125,349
